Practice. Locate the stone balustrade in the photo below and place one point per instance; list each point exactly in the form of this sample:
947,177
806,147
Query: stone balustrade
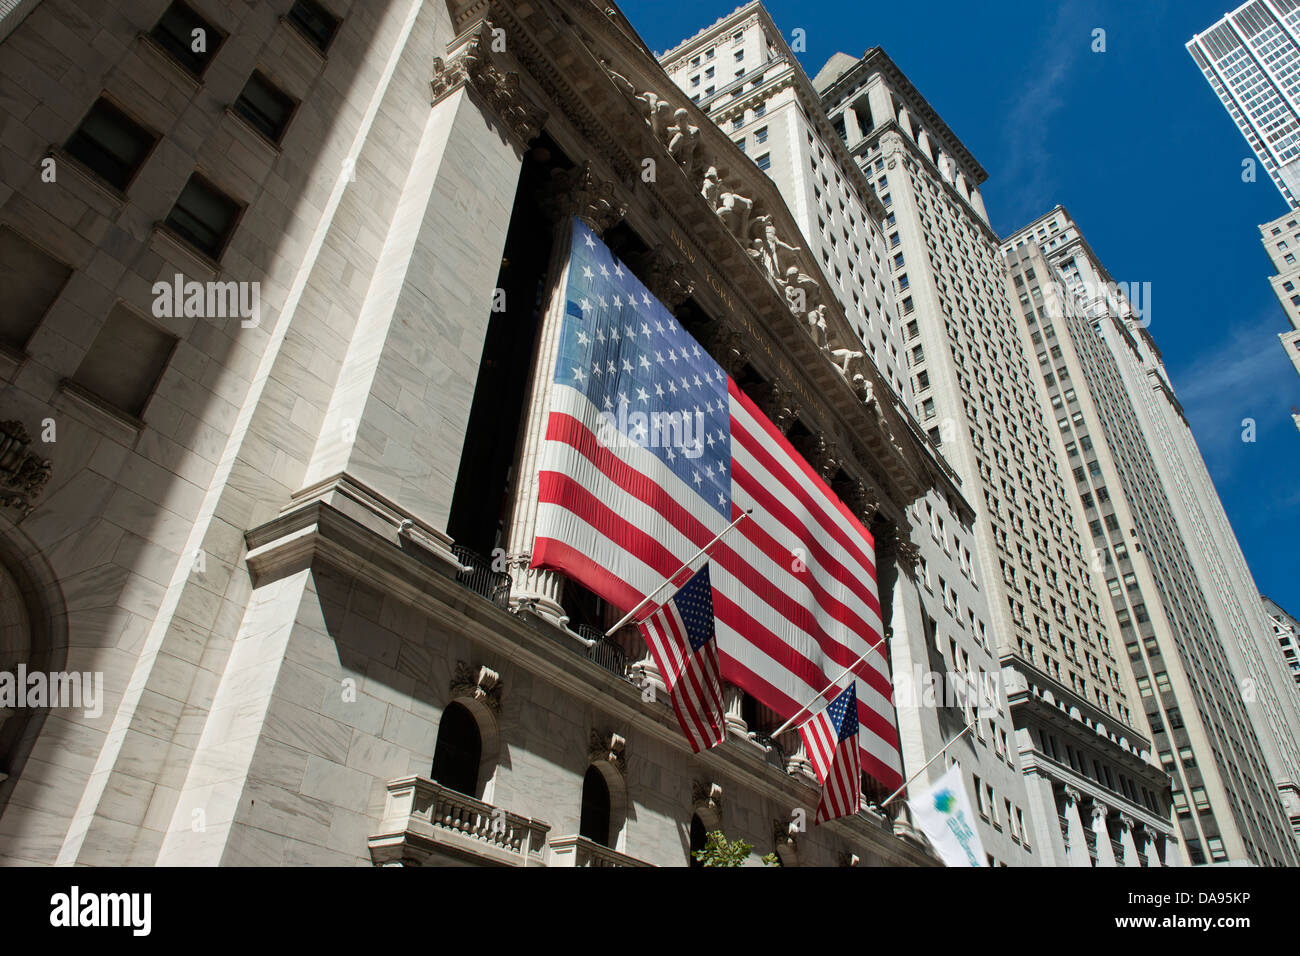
423,819
579,851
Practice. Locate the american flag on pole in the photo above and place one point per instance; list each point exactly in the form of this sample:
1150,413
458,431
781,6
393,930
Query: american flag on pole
831,741
680,635
650,450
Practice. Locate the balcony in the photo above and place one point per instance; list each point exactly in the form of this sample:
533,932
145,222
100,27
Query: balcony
424,820
569,851
477,575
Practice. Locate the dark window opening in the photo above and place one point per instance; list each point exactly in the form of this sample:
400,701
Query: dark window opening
458,751
314,22
594,824
176,33
111,144
204,216
481,503
698,838
265,106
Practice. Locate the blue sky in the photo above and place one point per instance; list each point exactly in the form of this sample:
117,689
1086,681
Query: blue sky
1134,143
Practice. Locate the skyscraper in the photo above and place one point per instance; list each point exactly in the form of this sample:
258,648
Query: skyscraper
741,71
1250,59
1223,728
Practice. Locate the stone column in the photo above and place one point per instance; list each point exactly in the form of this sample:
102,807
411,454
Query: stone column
923,143
977,201
905,121
733,699
1126,825
405,389
1105,852
798,761
1077,853
578,192
852,126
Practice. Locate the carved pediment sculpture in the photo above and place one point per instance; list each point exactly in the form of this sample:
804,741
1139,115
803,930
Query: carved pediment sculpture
683,141
817,327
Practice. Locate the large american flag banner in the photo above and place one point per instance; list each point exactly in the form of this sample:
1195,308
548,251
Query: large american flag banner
681,637
830,739
651,450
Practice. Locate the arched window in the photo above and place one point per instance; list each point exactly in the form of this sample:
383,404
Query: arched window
594,824
698,838
458,751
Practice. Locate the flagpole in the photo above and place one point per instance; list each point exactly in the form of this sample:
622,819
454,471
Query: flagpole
927,764
865,655
669,580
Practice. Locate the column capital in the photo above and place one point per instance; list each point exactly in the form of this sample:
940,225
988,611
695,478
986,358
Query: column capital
471,65
581,192
1072,795
1099,812
668,280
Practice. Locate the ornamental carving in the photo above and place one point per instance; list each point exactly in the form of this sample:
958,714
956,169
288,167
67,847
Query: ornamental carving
706,794
608,747
909,557
864,499
725,345
482,683
580,192
500,90
23,476
668,280
777,402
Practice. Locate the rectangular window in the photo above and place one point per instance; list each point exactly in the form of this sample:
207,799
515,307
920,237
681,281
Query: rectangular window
125,361
760,135
314,22
110,144
264,106
204,216
31,281
764,161
188,39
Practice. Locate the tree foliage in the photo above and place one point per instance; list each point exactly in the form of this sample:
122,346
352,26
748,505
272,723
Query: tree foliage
718,851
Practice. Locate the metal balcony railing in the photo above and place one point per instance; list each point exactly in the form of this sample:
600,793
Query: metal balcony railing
479,577
603,651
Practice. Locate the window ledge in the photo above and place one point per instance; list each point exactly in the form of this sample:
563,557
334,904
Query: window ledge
305,40
265,141
123,423
65,160
176,69
11,359
163,235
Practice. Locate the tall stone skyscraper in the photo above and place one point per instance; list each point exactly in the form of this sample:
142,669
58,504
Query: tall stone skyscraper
1250,59
1095,784
1205,663
1281,239
743,74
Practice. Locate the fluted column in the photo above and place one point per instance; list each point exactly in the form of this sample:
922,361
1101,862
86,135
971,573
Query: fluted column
1149,848
733,699
577,192
798,761
905,120
923,143
1126,825
1105,852
1077,853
